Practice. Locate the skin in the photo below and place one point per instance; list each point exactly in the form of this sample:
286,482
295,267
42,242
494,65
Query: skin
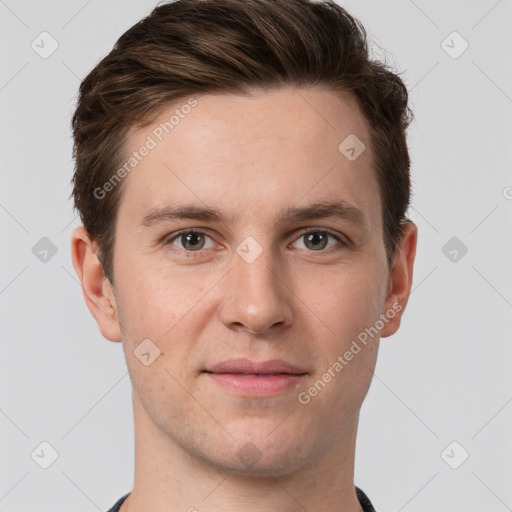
249,156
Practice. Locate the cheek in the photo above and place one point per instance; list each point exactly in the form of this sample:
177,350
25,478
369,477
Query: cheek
346,300
167,309
143,312
153,300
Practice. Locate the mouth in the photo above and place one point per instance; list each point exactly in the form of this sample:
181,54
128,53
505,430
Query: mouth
253,374
246,366
244,377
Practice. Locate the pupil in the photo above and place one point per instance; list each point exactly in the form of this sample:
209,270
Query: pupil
316,237
193,236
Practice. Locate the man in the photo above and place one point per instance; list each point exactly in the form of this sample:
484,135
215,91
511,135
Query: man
242,177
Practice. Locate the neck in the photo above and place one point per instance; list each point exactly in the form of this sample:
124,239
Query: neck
168,477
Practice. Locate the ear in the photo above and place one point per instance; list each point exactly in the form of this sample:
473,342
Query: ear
97,290
400,280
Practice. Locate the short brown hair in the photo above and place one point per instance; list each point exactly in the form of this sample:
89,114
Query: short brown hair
187,47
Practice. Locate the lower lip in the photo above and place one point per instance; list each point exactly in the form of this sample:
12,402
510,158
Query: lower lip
252,385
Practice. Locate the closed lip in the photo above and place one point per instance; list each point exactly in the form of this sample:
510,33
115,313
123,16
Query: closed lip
249,367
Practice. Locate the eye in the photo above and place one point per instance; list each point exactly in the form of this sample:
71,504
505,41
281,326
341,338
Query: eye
317,240
190,240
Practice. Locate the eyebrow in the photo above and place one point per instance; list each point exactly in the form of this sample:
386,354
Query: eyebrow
315,211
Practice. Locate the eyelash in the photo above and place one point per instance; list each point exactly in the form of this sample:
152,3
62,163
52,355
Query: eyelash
197,254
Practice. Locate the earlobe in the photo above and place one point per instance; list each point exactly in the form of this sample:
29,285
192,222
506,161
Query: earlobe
400,280
98,292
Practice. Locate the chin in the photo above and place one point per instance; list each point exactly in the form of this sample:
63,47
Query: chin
269,465
262,456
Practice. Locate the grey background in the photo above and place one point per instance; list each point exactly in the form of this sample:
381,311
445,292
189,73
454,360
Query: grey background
444,377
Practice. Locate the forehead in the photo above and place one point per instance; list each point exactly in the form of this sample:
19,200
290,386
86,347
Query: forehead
253,154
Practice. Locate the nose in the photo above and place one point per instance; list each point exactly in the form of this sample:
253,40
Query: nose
256,297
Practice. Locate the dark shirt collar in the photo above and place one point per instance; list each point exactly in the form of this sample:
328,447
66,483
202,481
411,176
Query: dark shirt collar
361,496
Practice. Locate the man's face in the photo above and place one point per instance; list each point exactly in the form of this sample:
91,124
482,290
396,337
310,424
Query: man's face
248,286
